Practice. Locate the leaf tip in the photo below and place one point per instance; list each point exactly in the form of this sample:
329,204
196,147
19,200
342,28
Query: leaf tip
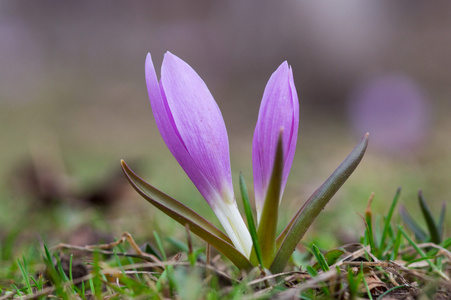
125,168
366,138
123,164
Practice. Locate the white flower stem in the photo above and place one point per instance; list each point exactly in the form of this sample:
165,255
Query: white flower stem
233,223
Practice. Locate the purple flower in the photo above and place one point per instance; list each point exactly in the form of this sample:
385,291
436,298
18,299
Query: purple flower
279,110
192,127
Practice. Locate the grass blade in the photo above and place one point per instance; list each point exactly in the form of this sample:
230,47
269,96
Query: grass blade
369,224
387,221
331,257
184,215
354,282
51,270
446,243
320,258
420,235
390,290
160,245
396,246
367,288
422,254
294,232
149,248
24,270
433,230
250,220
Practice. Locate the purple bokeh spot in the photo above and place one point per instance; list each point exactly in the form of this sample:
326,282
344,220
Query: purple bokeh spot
393,109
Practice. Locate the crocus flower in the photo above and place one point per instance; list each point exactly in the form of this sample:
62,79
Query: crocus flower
279,112
192,127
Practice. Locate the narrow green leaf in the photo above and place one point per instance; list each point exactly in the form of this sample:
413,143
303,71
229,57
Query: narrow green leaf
369,238
118,262
369,224
446,243
296,229
60,269
50,267
179,245
24,270
368,292
396,246
387,221
422,254
70,268
432,227
250,221
387,292
354,281
268,221
420,235
333,255
91,284
184,215
150,249
18,292
432,257
37,283
160,245
311,271
320,258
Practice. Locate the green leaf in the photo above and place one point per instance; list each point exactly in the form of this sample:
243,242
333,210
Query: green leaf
369,224
184,215
396,246
179,245
354,281
312,272
420,235
24,270
432,257
150,249
387,292
267,225
331,257
50,267
387,226
296,229
320,258
433,230
446,243
250,221
368,292
422,254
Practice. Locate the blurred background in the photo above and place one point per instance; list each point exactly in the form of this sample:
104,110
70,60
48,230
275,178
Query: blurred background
74,102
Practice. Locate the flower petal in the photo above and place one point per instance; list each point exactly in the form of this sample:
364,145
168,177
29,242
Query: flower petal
192,127
199,122
279,109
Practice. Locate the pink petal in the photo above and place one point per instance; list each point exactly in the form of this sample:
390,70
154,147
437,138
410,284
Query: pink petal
279,109
191,125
